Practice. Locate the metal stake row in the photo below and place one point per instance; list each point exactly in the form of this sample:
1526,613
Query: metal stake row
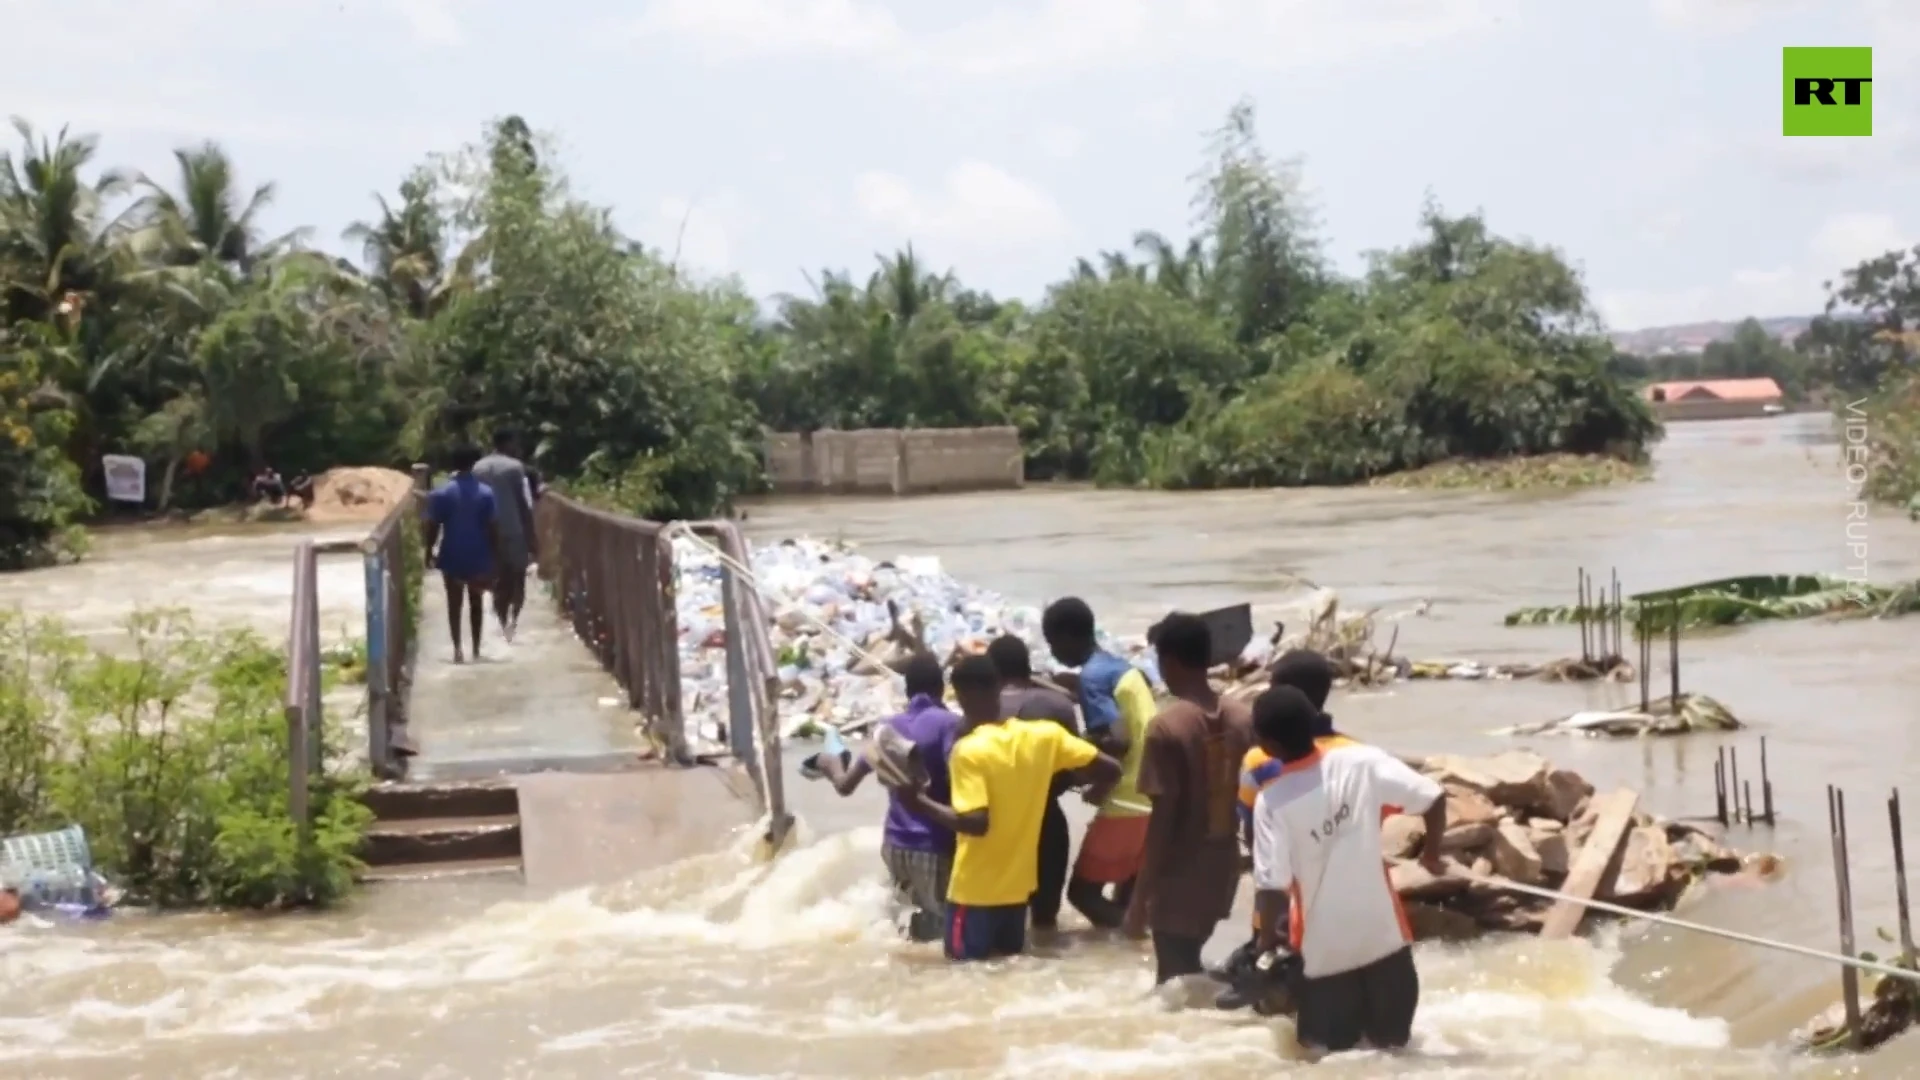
1843,889
1732,799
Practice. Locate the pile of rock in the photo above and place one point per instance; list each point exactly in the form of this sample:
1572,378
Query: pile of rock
1516,816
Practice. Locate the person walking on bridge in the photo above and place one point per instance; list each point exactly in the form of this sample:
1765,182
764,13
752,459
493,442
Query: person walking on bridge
506,475
461,522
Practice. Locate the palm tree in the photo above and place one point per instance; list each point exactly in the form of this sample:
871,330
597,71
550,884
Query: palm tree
56,249
207,220
905,287
405,249
1183,273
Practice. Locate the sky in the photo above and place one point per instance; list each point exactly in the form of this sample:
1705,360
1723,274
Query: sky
771,139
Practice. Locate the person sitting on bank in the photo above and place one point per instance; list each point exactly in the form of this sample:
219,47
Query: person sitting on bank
267,486
1001,772
917,851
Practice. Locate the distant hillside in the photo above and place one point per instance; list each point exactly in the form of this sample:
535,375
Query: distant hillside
1692,337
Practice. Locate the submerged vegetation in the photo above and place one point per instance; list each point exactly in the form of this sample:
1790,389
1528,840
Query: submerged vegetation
172,755
1736,600
1547,471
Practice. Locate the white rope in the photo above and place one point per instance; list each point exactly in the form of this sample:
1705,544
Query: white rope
1712,931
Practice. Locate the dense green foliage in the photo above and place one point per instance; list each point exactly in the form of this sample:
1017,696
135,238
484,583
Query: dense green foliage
173,757
152,317
1872,362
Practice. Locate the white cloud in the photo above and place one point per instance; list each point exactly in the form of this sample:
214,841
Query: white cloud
746,29
1890,26
1060,142
700,233
1841,242
978,206
1722,16
1064,37
432,21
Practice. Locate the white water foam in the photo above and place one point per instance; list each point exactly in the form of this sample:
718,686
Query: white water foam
799,949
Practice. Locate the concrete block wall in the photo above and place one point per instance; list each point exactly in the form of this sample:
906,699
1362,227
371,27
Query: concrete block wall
896,462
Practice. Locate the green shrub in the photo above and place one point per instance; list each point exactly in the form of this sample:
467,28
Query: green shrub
172,755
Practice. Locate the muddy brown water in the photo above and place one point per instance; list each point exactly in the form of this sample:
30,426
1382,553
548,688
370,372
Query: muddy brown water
720,967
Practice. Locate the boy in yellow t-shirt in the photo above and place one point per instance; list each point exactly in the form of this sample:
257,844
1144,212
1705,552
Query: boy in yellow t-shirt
1000,772
1116,706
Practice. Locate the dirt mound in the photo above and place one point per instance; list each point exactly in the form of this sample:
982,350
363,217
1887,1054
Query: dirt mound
357,494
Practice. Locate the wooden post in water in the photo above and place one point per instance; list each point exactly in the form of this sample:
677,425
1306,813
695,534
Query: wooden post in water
1843,887
1733,780
1766,784
1580,611
1900,877
1673,651
1644,631
1720,787
1619,620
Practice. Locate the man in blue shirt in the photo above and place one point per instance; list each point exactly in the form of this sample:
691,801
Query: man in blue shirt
461,516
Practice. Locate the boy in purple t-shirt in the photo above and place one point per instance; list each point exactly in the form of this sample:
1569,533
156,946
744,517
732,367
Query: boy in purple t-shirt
918,853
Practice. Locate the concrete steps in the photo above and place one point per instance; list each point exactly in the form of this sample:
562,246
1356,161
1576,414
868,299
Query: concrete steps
442,830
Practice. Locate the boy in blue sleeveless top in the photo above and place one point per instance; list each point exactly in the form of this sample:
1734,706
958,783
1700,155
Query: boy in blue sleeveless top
461,518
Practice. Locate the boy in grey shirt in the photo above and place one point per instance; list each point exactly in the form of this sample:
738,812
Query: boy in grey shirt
503,471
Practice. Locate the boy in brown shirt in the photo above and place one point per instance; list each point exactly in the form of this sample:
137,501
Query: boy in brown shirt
1191,770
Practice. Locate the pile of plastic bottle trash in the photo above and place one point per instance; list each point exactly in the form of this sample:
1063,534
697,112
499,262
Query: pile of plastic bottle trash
808,583
53,874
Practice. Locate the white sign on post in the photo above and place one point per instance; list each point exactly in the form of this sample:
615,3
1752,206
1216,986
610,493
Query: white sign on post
126,477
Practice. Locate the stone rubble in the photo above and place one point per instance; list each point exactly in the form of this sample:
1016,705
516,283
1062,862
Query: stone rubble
1517,816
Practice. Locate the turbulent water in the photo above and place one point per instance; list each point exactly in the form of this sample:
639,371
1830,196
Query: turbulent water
726,967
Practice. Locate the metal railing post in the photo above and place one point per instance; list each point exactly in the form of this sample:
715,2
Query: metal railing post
303,686
379,692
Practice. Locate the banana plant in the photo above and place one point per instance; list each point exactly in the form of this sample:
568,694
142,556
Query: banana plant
1736,600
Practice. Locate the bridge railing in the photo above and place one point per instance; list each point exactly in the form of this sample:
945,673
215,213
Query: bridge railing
614,578
395,563
304,717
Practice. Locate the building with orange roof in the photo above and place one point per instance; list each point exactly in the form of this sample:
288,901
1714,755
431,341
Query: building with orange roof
1715,399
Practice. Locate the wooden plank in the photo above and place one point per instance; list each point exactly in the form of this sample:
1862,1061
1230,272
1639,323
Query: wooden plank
1613,817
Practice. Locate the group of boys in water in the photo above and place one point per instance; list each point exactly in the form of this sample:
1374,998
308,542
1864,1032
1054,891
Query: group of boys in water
1190,794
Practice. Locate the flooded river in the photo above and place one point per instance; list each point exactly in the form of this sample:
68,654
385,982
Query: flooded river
722,968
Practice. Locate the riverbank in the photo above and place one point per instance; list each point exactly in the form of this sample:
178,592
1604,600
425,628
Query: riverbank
172,757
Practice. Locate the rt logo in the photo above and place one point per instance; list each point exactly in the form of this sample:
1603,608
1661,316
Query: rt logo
1827,92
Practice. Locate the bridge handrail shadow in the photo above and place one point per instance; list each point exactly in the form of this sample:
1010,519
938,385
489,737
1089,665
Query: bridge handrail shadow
614,579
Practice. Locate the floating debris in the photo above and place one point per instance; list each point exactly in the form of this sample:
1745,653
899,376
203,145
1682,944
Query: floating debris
1893,1007
1695,712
